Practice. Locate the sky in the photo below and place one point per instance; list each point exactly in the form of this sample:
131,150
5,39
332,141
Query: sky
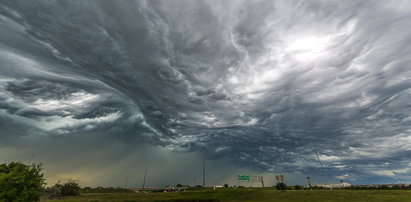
97,91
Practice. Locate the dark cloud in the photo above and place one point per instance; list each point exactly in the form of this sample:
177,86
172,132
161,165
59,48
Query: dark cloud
265,84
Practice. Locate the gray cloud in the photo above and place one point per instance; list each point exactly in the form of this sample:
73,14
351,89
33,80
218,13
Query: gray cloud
265,84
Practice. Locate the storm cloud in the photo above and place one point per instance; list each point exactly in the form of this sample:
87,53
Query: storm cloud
265,84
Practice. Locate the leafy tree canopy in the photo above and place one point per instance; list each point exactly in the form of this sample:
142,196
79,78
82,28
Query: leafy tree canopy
281,186
71,188
20,182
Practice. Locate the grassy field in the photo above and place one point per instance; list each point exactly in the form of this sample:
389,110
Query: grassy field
252,195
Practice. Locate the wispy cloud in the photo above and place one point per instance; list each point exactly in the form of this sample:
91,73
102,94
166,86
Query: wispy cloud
265,83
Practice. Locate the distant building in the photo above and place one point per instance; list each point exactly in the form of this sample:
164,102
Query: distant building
383,185
333,185
157,189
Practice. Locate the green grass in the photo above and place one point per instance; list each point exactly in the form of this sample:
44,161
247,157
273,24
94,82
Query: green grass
251,195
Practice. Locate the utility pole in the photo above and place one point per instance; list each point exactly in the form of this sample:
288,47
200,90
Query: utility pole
144,181
325,173
204,156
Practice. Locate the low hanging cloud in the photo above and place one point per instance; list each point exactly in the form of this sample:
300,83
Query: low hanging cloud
265,84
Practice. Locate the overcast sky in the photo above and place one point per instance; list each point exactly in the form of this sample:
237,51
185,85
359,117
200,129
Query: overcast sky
97,90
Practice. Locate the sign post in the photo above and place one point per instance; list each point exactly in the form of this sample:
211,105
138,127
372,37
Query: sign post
251,179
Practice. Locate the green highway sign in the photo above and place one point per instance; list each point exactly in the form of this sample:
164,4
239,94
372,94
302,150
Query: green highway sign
244,177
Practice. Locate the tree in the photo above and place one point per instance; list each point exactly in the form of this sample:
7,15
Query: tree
71,188
299,187
20,182
281,186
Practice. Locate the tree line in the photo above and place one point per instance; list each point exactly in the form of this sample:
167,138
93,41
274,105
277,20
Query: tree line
23,182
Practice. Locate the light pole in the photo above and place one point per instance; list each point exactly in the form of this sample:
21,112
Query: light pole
204,156
144,180
325,173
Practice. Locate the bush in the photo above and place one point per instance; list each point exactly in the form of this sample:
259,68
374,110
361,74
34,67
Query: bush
70,189
20,182
106,190
281,186
299,187
52,192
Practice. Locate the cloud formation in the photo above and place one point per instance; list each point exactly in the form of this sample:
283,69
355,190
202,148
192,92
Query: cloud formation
265,83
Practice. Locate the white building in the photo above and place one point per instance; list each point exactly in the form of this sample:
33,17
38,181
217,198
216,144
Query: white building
333,185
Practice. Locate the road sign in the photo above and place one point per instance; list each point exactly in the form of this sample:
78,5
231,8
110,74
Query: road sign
280,178
243,177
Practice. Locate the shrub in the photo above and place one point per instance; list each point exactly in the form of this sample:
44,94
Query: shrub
281,186
52,192
299,187
20,182
70,189
106,190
